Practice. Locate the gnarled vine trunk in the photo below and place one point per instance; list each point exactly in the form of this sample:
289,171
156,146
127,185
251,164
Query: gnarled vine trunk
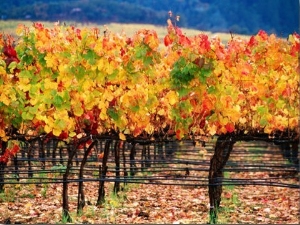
223,148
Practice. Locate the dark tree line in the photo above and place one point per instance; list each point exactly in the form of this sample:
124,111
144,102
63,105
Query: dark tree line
237,16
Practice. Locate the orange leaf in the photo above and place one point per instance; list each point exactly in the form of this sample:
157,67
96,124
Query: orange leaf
100,155
229,127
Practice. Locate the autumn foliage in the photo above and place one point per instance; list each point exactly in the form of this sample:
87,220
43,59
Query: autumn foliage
70,82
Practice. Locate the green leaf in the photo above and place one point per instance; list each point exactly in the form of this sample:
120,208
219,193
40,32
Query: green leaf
130,67
183,72
211,90
33,110
2,63
12,66
78,71
91,56
25,74
66,96
262,110
58,101
113,75
148,61
135,108
27,116
141,51
61,124
16,121
27,59
204,74
34,90
41,58
113,114
183,92
66,54
263,122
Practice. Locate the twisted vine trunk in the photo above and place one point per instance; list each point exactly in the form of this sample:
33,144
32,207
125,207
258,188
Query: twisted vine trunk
102,173
81,197
72,151
124,165
222,152
65,197
118,145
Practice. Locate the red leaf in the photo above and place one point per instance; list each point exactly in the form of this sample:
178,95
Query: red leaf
178,31
229,127
184,40
252,41
263,34
167,40
178,134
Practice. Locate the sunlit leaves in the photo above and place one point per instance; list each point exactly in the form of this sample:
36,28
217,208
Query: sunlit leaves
74,81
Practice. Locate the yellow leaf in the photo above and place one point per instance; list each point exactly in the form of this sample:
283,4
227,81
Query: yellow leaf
212,129
124,99
23,84
172,97
49,85
27,206
56,132
33,101
78,111
103,115
51,60
72,134
242,120
127,131
2,133
4,99
109,68
149,128
100,64
47,128
223,120
122,137
161,112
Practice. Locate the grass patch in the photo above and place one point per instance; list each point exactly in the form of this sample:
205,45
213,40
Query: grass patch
230,203
9,194
27,195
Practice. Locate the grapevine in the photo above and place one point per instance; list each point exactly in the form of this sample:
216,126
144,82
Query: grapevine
68,83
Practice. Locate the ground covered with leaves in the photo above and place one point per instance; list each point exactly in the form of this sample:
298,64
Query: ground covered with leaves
149,203
159,202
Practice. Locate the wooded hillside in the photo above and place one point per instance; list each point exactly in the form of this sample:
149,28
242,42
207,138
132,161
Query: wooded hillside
243,17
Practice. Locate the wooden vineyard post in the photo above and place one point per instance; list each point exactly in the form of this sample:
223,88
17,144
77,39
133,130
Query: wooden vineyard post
223,148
